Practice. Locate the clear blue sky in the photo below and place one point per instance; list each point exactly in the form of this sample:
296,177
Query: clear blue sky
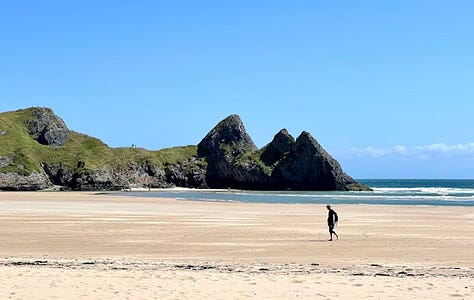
385,86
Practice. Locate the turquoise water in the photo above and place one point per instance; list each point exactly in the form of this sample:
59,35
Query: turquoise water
385,191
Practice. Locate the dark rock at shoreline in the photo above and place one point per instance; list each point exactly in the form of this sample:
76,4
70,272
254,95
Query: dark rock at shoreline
188,174
57,173
11,181
107,178
227,148
235,162
309,167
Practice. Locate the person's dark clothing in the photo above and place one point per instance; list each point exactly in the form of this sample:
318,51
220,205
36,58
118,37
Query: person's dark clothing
332,218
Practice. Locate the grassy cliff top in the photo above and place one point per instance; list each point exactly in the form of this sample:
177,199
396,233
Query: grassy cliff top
21,153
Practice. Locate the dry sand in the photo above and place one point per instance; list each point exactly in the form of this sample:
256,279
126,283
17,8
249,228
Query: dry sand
65,245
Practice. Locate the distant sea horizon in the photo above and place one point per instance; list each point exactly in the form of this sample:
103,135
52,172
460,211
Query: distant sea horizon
432,192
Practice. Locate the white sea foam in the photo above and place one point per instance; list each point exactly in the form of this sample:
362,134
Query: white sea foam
449,194
426,190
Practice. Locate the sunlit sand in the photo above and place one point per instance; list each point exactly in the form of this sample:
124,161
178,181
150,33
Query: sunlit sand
73,245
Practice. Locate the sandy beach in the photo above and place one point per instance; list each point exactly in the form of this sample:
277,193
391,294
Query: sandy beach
58,245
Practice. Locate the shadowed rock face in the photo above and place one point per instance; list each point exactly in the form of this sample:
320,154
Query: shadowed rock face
281,144
226,148
231,132
234,161
47,128
309,167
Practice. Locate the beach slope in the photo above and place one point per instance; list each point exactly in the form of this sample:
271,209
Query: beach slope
99,246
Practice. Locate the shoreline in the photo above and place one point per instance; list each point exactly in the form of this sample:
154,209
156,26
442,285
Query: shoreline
302,197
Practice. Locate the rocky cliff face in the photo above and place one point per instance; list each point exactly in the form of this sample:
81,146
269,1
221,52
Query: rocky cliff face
11,181
226,157
228,132
47,128
281,145
309,167
228,149
134,174
235,162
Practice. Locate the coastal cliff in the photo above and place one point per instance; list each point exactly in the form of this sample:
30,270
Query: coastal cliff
284,164
38,151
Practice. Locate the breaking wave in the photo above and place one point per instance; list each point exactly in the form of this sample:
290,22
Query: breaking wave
385,192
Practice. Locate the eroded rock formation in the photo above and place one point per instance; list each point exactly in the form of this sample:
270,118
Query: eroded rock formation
226,157
47,128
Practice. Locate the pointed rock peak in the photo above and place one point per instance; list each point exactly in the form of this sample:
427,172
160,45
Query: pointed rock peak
282,143
47,128
232,120
230,131
283,135
307,144
306,138
310,167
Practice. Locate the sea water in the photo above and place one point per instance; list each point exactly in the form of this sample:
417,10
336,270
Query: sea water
435,192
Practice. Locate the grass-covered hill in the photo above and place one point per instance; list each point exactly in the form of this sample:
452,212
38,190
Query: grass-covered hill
22,154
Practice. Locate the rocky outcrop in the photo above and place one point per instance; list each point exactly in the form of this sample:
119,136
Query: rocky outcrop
228,151
281,145
309,167
226,157
228,132
133,174
5,161
234,161
106,178
47,128
188,174
57,173
11,181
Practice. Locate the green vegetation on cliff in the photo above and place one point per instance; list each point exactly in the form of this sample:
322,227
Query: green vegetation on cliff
22,154
38,151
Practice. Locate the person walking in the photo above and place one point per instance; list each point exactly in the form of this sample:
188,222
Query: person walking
332,221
